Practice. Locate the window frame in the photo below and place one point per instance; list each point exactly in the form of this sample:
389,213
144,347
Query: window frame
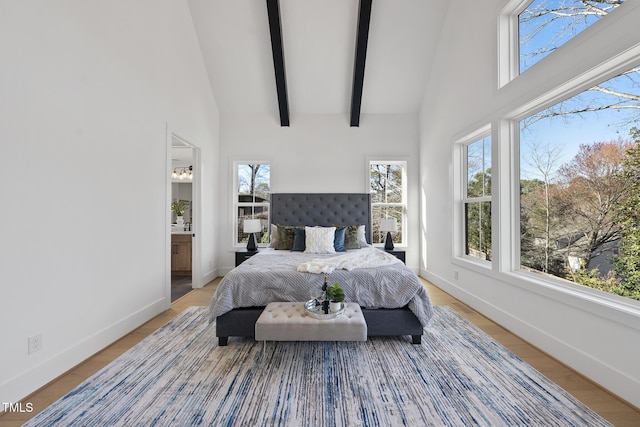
507,144
403,205
468,200
508,40
461,198
586,60
236,204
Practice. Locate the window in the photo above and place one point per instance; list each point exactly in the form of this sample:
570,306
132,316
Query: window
477,199
531,30
252,198
579,187
545,25
388,184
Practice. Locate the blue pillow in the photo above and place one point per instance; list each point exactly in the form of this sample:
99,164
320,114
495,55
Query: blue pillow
338,240
299,238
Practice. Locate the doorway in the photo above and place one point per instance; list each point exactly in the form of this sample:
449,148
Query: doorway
184,184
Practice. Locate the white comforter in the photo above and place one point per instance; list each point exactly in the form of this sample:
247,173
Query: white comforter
364,258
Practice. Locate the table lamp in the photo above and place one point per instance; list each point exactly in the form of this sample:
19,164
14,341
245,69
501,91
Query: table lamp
389,225
251,226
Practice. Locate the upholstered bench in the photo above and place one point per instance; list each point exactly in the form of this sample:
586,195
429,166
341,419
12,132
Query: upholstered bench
289,321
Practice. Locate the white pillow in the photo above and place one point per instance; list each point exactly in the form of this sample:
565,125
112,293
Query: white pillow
319,240
362,239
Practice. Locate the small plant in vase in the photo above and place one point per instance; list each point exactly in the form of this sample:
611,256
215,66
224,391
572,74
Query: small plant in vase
179,208
335,295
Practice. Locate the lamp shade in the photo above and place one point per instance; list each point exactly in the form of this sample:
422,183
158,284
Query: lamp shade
251,225
389,224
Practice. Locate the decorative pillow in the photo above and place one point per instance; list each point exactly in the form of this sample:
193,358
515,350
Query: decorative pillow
362,238
319,240
273,236
351,237
285,237
338,239
299,237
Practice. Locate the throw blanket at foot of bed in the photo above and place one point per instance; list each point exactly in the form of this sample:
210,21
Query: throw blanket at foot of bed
363,258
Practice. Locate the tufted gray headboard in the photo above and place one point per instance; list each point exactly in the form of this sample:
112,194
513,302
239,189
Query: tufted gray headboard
322,209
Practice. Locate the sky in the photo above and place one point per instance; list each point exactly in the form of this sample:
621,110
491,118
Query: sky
568,132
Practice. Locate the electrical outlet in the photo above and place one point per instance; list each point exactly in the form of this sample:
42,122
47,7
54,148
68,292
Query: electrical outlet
455,274
35,343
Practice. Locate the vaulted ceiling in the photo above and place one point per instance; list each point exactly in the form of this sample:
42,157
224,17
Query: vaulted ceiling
319,45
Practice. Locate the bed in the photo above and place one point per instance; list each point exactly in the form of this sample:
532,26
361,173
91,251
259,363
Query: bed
393,299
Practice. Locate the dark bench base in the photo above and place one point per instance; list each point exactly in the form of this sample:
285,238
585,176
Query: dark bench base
241,322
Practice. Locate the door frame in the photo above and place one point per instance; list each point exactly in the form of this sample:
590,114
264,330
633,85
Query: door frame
196,212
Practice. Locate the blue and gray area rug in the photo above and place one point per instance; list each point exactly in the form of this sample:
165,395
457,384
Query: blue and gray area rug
178,376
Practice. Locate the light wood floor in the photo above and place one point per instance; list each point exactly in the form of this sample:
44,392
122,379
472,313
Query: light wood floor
608,406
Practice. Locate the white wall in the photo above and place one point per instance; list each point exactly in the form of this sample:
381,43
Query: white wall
600,340
87,92
317,154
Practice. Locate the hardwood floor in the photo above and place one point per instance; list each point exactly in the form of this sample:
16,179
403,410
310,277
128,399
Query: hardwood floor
616,411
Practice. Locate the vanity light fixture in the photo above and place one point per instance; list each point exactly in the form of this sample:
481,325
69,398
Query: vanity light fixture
182,173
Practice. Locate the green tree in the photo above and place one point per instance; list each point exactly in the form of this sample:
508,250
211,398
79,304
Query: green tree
628,262
540,212
478,216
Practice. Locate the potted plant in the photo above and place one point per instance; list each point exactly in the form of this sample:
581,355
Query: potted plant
179,208
335,295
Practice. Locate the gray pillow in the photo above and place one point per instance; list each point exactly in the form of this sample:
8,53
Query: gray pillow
285,238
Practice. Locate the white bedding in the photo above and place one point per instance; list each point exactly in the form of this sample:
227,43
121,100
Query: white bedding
369,276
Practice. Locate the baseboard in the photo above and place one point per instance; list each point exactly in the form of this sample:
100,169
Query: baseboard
224,270
28,382
603,374
209,276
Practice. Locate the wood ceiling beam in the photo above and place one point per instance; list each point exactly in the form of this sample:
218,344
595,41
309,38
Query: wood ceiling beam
275,27
364,18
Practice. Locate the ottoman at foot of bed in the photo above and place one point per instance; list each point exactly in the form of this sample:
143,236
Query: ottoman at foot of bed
240,322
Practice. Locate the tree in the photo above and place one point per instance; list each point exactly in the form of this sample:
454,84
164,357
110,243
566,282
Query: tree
386,183
478,216
538,205
628,262
593,188
386,197
253,181
547,24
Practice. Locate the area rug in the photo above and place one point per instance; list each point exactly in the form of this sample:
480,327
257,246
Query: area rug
179,376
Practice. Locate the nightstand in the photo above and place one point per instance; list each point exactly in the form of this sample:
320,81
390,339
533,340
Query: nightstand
242,255
400,254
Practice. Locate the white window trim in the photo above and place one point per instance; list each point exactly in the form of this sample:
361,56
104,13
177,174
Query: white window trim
604,63
508,38
508,41
460,197
234,196
405,184
507,232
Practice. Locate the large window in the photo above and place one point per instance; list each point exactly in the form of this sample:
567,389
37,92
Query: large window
579,187
388,198
545,25
251,198
477,199
530,30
